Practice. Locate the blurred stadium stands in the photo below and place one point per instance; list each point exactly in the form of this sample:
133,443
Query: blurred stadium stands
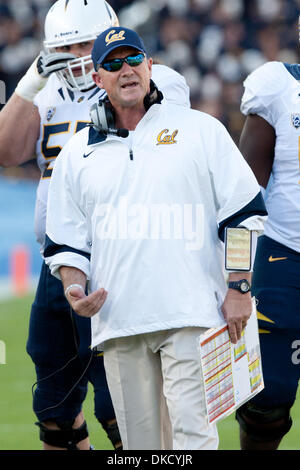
213,43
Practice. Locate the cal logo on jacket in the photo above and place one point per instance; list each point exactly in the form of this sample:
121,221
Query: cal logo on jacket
164,138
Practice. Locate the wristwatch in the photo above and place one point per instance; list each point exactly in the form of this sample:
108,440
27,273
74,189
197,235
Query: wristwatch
243,286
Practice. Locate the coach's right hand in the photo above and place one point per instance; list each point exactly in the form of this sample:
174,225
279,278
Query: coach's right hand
86,305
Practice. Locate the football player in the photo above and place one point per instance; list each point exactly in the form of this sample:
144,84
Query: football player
51,103
270,142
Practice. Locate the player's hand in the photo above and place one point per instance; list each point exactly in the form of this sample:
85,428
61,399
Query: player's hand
236,309
86,305
37,75
48,63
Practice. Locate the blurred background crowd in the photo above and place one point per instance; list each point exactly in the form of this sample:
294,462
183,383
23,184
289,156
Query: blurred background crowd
213,43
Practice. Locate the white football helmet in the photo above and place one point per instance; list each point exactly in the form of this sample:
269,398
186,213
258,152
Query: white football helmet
74,21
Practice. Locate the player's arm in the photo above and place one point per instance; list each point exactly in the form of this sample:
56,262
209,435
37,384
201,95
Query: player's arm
257,144
74,282
19,131
19,119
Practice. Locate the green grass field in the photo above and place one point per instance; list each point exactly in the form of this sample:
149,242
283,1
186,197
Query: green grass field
17,431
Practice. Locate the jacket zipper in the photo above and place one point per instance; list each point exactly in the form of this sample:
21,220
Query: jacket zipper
131,154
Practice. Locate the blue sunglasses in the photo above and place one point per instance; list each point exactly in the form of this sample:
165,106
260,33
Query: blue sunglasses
116,64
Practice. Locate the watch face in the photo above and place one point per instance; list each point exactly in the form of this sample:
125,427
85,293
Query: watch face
244,287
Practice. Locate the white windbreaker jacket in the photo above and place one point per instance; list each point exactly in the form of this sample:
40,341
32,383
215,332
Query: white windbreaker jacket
147,222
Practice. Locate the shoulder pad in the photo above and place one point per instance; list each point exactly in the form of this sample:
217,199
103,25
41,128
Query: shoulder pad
262,86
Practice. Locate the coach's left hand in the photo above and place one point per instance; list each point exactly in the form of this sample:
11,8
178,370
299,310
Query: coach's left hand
236,309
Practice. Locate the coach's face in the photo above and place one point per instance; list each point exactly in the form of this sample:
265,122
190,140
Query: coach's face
127,87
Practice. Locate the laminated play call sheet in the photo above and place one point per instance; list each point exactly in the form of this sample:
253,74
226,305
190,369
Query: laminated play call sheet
232,372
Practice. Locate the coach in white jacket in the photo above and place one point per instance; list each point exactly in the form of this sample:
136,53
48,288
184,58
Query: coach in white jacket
143,218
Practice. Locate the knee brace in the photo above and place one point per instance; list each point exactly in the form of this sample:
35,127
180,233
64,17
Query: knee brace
113,433
262,424
66,437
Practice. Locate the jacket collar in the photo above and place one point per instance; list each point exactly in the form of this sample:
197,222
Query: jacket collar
96,137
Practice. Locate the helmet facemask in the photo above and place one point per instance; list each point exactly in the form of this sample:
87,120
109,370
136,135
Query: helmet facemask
75,81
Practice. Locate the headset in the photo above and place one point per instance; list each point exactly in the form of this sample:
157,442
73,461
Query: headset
103,120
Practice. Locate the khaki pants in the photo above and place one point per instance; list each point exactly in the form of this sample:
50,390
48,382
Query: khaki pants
156,386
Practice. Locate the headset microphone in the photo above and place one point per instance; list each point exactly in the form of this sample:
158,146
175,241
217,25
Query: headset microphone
119,132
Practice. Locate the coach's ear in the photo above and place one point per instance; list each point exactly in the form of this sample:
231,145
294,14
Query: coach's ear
97,79
150,63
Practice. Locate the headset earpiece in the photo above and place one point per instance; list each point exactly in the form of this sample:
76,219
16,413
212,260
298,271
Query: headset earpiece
103,119
102,116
